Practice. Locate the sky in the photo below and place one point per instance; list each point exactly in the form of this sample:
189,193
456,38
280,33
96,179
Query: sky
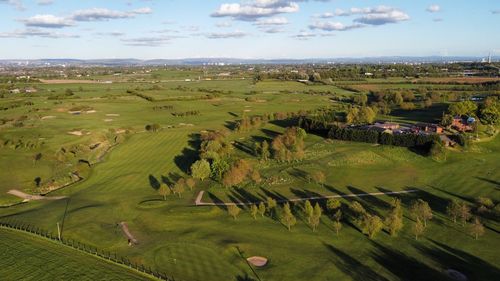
247,29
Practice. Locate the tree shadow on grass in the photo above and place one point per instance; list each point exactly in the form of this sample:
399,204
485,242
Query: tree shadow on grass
186,159
153,182
245,196
217,200
189,154
497,183
244,148
352,267
403,266
368,201
270,133
451,258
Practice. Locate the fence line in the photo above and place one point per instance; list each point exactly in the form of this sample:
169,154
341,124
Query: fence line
111,257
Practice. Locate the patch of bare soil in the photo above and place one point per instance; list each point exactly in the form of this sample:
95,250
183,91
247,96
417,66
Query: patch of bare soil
29,197
47,117
126,231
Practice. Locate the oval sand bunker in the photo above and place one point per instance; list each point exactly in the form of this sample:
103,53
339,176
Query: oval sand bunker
257,261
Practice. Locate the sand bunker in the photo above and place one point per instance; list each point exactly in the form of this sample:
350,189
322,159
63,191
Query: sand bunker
108,120
126,231
257,261
76,133
112,115
29,197
455,275
247,110
47,117
90,111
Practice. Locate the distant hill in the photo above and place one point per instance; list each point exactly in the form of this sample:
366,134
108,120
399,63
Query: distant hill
236,61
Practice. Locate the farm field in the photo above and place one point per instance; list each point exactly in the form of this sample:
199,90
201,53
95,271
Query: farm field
191,242
26,257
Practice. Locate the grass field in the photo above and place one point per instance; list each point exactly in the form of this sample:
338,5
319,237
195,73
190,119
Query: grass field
25,257
205,243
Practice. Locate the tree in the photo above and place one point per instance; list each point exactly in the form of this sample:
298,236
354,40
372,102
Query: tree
394,222
271,205
200,169
357,210
398,99
418,228
316,217
372,225
308,210
164,191
233,211
318,177
254,210
332,204
464,213
453,210
337,216
337,226
287,218
421,210
262,209
190,183
255,176
179,187
462,108
265,153
476,229
219,167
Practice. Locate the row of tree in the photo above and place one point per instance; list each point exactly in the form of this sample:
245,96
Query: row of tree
369,224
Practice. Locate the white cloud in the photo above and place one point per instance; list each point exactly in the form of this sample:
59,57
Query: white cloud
100,14
333,26
433,8
148,41
34,32
18,4
224,24
226,35
272,21
380,18
48,21
45,2
253,10
304,35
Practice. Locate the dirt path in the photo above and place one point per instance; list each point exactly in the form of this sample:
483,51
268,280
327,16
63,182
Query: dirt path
29,197
126,231
198,201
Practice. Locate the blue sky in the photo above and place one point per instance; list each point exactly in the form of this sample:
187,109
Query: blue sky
169,29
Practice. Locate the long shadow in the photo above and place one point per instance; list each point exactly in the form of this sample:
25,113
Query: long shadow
269,133
352,267
275,195
370,200
216,200
285,123
153,182
437,204
451,258
260,139
468,199
403,266
230,125
244,148
497,183
186,159
245,195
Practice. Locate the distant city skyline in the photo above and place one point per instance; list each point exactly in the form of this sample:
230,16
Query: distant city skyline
247,29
